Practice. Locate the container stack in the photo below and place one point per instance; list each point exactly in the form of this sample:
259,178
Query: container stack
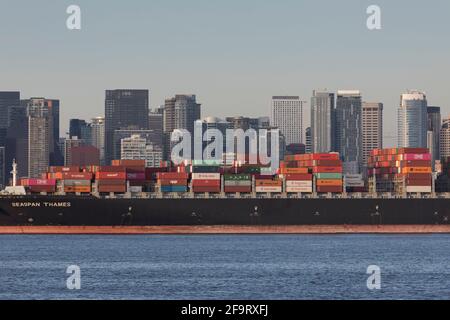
268,186
355,183
172,182
234,183
77,182
39,185
205,182
325,167
111,179
401,170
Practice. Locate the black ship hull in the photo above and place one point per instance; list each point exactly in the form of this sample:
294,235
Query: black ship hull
90,211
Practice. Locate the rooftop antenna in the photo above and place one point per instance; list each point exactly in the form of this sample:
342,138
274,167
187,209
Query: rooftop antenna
14,173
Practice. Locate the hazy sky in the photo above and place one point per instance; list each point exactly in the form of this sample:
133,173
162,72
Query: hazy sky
234,55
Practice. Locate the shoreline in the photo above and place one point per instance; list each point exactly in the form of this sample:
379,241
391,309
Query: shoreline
224,230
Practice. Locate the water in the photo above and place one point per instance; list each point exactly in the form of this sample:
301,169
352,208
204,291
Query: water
225,267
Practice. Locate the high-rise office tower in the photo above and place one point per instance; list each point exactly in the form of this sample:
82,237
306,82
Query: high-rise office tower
98,136
40,137
156,125
308,143
180,112
444,141
322,121
413,120
372,128
124,108
7,99
69,145
81,129
17,141
434,129
287,115
348,130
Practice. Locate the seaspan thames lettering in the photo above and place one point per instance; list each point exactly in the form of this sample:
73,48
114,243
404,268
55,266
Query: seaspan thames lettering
41,204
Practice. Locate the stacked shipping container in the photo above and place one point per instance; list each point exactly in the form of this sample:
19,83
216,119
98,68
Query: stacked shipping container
234,183
405,169
326,168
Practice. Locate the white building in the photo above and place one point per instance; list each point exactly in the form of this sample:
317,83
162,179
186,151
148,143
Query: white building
413,120
98,136
372,128
444,141
287,115
137,148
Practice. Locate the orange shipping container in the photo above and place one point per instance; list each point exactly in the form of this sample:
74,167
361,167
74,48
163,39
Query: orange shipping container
269,183
77,189
294,171
416,170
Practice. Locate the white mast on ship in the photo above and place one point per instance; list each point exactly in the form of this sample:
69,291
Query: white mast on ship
14,173
14,189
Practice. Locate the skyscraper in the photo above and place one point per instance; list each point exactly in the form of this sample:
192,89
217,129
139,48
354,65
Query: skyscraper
17,141
308,144
98,136
287,115
7,99
444,141
81,129
348,131
322,121
180,112
434,129
372,128
412,120
39,137
69,145
156,125
124,108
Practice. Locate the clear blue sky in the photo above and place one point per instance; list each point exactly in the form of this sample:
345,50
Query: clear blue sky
233,54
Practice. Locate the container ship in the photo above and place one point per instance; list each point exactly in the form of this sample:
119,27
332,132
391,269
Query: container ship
308,194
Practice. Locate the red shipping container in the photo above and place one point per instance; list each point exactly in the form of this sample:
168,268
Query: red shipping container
136,176
415,163
327,163
413,150
323,189
206,189
115,189
39,189
238,189
110,176
206,183
298,177
64,169
172,182
38,182
111,182
110,169
172,175
327,170
418,183
129,163
77,176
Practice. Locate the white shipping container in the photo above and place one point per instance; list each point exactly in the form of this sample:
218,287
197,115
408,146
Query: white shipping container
268,189
299,184
352,177
299,189
418,189
206,176
354,183
135,189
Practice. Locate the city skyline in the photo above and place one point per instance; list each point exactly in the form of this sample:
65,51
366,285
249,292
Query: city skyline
229,66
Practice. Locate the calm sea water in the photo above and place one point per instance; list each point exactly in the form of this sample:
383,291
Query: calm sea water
225,267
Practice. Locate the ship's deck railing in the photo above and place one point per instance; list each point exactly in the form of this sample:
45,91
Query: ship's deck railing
190,195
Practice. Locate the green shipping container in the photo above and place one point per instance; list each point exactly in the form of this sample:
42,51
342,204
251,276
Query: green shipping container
234,183
331,176
237,177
